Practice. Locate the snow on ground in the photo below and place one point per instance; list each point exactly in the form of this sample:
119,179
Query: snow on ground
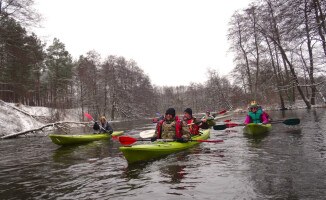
13,121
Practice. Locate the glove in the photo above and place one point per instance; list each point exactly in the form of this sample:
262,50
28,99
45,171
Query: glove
96,126
180,140
153,139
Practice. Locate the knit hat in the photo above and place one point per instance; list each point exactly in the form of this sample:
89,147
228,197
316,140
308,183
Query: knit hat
189,111
253,104
170,111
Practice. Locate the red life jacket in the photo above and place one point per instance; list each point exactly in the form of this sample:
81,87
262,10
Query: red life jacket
194,129
178,127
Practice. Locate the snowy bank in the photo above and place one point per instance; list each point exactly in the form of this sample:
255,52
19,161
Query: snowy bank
17,117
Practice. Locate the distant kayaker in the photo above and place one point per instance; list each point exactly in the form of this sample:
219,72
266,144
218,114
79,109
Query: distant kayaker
265,113
255,115
104,127
208,118
208,115
171,127
192,122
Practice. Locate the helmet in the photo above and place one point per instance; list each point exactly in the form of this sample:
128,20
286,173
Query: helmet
208,111
253,104
102,117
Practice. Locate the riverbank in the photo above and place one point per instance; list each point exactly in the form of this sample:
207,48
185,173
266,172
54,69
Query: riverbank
18,117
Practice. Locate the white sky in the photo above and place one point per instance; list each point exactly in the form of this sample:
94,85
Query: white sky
173,41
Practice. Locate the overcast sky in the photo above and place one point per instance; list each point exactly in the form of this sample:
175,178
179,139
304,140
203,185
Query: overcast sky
173,41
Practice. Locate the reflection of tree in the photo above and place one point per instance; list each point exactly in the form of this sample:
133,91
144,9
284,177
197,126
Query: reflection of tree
175,172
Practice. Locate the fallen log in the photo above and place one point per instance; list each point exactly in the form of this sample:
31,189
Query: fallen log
40,128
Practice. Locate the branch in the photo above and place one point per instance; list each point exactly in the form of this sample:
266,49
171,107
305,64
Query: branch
40,128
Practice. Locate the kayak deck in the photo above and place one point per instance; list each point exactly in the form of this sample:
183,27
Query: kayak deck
256,129
157,149
78,139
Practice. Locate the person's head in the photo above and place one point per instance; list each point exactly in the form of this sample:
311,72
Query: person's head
102,119
170,113
208,112
253,106
188,113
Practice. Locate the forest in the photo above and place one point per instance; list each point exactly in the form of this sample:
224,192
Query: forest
280,57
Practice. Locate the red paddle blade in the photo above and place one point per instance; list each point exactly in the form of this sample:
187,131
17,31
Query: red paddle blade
223,111
231,124
88,116
228,120
124,140
114,137
213,141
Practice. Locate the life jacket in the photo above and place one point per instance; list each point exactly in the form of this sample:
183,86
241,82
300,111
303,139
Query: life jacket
178,126
194,129
256,117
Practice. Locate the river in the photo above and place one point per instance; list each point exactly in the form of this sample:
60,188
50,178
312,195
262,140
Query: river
289,162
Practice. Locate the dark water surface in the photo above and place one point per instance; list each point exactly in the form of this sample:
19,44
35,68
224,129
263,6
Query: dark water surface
286,163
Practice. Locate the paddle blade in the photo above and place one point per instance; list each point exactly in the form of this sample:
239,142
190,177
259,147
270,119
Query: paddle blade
223,111
212,141
229,125
114,137
124,140
88,116
291,122
228,120
219,127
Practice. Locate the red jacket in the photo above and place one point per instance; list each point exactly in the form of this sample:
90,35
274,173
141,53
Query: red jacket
194,129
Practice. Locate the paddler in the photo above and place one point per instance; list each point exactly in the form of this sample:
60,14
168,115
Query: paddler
192,122
104,126
255,115
171,127
208,118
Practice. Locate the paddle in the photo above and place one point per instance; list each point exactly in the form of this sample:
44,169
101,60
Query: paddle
125,140
221,112
91,118
290,122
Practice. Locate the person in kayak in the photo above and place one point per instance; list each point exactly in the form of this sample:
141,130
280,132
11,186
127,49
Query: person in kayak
265,113
192,122
171,127
208,118
255,115
104,127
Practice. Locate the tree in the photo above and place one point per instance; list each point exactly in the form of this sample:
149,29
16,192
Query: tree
59,68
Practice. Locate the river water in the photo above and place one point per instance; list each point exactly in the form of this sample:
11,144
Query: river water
287,163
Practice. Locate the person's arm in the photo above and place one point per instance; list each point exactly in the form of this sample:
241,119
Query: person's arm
185,131
154,136
265,120
247,121
108,128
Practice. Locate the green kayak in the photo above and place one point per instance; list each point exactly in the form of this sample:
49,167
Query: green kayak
157,149
78,139
256,129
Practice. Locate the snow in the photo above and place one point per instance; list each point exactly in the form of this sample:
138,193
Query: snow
13,121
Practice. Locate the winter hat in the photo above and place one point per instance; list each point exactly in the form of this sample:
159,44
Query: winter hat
189,111
170,111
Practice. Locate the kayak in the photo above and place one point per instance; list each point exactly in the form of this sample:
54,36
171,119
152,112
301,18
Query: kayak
256,129
136,153
78,139
211,123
